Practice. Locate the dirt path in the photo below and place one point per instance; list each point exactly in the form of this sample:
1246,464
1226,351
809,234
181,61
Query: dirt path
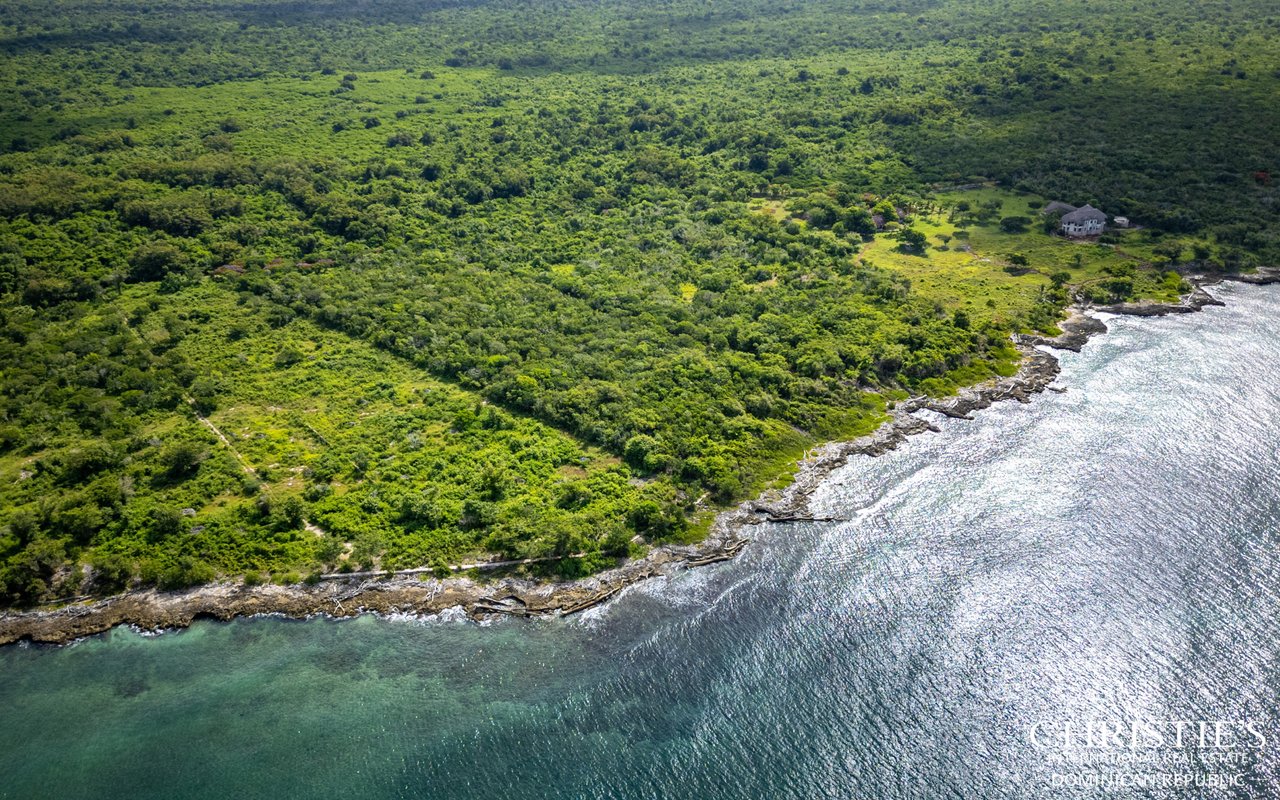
244,463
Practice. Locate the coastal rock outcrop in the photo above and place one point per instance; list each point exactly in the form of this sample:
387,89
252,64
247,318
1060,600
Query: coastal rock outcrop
154,610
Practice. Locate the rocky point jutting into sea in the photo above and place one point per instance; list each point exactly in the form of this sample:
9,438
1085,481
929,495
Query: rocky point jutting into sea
344,596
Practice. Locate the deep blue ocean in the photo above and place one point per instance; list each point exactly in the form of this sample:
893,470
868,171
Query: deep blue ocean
1038,603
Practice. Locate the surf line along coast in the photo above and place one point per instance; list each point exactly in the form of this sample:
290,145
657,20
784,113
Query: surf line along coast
349,595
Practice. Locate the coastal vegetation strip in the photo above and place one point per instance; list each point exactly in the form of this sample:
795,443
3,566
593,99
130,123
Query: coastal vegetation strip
423,592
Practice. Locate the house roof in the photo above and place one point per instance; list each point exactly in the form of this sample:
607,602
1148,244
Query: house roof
1057,207
1084,214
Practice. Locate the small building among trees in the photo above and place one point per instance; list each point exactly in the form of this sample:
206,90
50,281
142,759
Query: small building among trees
1084,221
1057,207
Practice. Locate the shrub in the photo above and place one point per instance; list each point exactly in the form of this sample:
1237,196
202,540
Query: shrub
912,240
183,459
153,261
1015,224
187,571
400,139
288,356
111,572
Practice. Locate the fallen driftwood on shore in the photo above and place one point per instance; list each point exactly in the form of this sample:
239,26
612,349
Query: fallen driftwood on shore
594,600
727,553
793,518
506,605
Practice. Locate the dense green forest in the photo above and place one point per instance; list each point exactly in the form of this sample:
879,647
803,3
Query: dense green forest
292,287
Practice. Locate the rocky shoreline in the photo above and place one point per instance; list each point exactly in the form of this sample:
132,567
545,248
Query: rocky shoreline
154,610
1038,371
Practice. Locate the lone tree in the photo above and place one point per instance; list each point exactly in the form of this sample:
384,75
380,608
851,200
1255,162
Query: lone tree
153,261
183,459
911,240
1014,224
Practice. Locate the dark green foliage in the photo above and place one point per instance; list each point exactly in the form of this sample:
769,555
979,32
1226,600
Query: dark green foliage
154,261
182,459
912,240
